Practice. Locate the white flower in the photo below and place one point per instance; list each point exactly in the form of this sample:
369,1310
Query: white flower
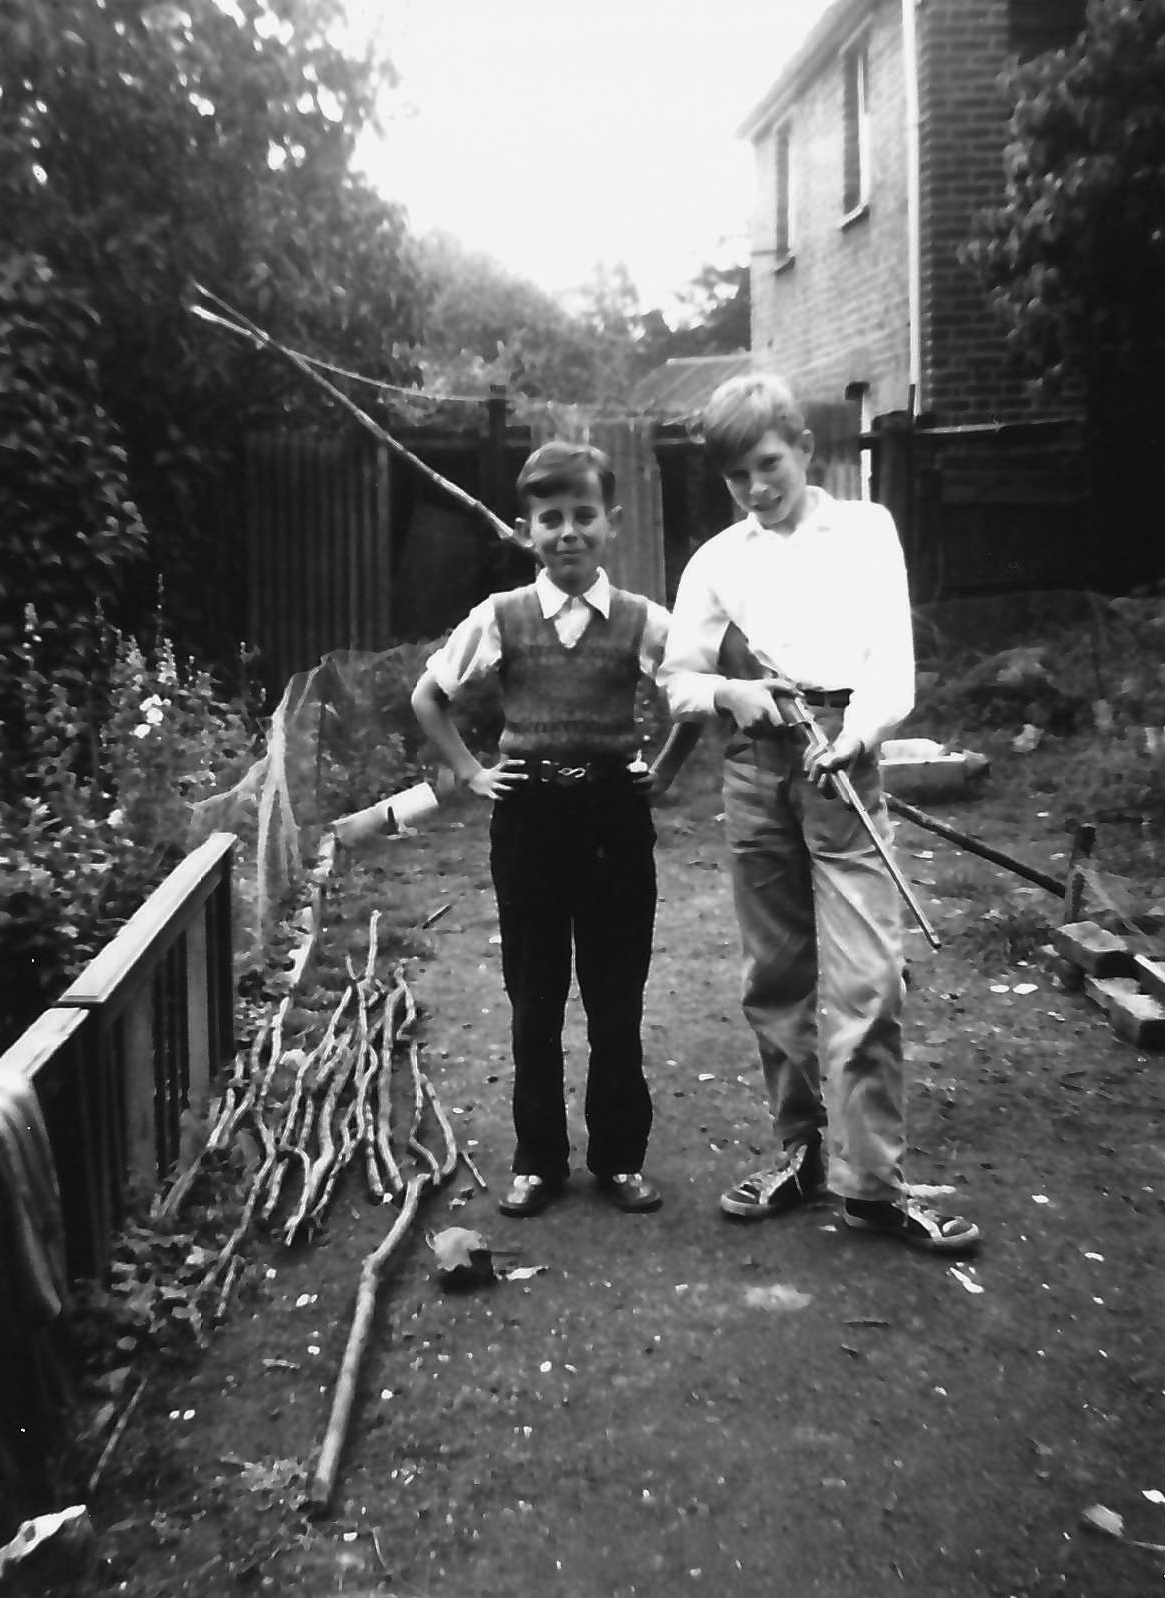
141,730
116,818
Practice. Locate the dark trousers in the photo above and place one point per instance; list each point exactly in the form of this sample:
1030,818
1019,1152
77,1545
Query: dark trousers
576,866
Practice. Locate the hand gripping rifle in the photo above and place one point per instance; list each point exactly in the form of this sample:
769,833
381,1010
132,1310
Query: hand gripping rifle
795,713
736,660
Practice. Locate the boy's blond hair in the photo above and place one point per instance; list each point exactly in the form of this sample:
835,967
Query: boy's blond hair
742,410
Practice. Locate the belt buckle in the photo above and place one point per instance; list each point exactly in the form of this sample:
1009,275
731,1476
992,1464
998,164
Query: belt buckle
572,774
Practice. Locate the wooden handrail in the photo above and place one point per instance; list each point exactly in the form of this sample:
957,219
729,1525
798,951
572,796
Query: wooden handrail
168,911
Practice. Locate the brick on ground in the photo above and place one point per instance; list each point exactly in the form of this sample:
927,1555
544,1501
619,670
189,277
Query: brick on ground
1137,1017
1095,950
1150,973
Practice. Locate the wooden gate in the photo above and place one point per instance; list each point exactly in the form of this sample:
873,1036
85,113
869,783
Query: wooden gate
987,509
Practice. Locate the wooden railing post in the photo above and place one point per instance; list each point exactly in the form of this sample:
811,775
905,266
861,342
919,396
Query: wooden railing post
198,1012
494,483
141,1130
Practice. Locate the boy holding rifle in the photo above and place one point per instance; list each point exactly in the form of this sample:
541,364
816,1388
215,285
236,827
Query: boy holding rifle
796,621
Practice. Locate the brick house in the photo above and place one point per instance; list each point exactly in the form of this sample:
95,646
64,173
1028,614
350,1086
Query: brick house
875,148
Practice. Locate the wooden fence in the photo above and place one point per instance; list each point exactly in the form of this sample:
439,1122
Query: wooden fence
348,548
986,509
128,1046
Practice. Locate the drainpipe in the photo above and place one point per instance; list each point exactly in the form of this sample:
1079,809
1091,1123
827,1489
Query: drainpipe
913,225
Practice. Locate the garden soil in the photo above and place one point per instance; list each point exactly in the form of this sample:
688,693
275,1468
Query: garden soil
678,1403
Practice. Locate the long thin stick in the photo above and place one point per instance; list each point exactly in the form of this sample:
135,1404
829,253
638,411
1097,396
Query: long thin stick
324,1482
973,845
449,1164
115,1436
243,324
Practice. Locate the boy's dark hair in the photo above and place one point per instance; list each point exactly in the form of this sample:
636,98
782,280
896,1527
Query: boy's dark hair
742,410
559,465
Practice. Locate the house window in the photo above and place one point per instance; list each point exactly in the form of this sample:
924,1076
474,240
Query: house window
856,183
1037,25
783,243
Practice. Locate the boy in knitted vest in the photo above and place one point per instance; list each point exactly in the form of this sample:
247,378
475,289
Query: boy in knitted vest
571,834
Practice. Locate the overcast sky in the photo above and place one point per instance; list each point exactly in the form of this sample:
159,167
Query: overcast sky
556,135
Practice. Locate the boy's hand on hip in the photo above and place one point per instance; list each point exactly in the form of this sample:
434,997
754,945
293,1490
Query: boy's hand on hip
751,704
654,782
495,782
841,752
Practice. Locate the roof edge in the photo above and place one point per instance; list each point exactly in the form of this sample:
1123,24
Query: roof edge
838,21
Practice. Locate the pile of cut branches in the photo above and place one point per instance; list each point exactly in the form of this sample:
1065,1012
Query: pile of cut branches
336,1110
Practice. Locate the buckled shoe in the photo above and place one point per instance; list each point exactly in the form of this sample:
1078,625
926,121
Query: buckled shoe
630,1191
528,1195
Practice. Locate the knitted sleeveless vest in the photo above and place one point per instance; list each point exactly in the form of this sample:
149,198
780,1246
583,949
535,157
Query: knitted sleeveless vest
558,701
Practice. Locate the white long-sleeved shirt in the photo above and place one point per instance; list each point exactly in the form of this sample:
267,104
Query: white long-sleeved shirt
825,604
474,647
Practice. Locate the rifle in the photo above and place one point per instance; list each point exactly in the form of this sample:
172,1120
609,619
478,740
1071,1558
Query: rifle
736,660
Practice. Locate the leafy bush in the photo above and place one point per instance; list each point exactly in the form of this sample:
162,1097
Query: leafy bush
94,825
70,529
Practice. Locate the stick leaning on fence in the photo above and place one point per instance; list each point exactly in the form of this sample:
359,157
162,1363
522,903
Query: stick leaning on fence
235,321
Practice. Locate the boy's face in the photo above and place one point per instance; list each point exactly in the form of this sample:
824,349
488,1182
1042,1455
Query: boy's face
768,480
569,532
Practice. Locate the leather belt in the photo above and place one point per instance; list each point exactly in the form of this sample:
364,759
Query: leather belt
571,774
826,698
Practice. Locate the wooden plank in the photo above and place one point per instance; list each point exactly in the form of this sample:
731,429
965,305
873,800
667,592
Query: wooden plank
383,534
40,1044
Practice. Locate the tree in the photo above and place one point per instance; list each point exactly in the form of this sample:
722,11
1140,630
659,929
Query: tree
713,318
147,147
70,529
1074,257
486,324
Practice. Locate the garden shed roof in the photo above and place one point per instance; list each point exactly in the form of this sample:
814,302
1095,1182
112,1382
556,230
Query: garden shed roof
685,384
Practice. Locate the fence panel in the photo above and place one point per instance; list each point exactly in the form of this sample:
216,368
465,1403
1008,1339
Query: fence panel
316,517
985,509
836,465
635,560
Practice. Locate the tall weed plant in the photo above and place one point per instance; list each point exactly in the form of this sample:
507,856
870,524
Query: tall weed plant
99,810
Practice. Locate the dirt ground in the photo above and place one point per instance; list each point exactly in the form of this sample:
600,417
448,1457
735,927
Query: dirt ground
680,1403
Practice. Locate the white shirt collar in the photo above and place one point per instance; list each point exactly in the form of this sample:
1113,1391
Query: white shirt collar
553,599
818,505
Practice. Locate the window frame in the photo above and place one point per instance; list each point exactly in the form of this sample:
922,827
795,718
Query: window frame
857,143
783,194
